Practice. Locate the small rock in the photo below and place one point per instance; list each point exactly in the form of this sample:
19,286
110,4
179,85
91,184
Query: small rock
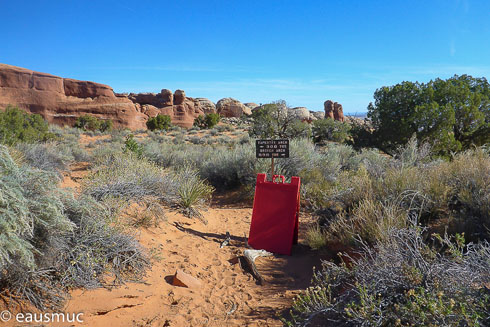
185,280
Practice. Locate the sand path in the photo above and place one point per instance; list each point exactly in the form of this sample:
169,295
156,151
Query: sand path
228,296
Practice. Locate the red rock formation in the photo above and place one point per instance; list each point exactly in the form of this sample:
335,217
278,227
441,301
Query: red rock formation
333,110
62,100
182,110
229,107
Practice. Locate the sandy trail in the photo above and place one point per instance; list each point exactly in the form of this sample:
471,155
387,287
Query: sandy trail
228,296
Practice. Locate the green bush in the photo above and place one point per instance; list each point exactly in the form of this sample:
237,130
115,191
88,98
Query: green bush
130,145
273,121
92,123
330,130
207,121
452,114
160,122
106,126
19,126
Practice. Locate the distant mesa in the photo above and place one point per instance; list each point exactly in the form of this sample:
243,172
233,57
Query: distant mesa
333,110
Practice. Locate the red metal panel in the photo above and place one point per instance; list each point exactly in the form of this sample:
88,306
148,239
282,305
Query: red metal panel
274,225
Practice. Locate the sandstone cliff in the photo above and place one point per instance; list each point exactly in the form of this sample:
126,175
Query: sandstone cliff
61,100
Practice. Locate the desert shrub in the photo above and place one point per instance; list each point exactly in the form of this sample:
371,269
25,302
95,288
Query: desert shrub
138,180
192,191
220,128
197,140
31,207
173,155
444,194
160,122
273,121
461,189
19,126
362,135
99,153
130,145
224,139
330,130
401,281
128,177
299,129
207,121
369,220
244,139
92,123
147,213
228,168
179,138
97,247
50,240
45,156
119,135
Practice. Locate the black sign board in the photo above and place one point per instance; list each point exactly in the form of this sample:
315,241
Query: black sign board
272,148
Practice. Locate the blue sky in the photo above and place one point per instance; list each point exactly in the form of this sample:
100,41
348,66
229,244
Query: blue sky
304,52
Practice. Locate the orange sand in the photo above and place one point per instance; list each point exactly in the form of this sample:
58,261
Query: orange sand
228,297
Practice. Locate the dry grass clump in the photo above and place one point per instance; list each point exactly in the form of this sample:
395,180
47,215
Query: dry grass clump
51,241
452,195
401,281
138,180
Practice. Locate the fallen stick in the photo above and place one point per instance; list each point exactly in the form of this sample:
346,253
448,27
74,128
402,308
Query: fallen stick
248,260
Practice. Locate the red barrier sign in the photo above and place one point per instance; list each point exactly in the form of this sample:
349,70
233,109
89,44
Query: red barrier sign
275,214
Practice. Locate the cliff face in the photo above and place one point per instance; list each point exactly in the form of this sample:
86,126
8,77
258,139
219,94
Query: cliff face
62,100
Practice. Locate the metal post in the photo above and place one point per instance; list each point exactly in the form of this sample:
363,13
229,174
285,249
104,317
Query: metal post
272,168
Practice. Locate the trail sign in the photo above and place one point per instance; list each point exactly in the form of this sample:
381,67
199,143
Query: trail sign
272,148
274,225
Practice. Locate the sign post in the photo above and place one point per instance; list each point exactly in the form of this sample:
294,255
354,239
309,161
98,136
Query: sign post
272,149
274,225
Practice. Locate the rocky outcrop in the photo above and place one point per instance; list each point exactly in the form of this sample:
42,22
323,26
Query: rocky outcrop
62,100
182,109
251,105
333,110
207,106
229,107
300,113
315,115
159,100
179,97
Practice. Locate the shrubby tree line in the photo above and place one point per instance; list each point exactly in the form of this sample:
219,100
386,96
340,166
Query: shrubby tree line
274,120
452,114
